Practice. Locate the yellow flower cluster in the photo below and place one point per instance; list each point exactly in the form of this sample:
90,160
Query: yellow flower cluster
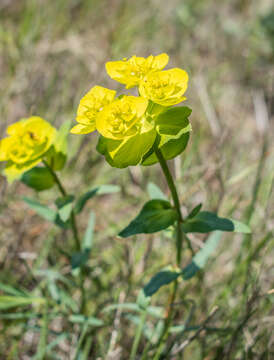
127,124
27,143
124,117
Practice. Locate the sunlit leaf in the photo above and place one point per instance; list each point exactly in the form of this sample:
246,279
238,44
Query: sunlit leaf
127,152
173,128
155,215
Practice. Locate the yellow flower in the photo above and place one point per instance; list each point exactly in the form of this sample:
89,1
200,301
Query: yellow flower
90,106
28,142
122,118
165,87
131,71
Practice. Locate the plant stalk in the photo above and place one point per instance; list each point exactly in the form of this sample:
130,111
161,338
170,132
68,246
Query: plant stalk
73,227
179,238
138,335
72,215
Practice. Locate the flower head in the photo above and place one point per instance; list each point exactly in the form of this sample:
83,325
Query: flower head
90,106
122,118
165,87
28,142
131,71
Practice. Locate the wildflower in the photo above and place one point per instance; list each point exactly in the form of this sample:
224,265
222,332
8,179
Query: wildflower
122,118
90,106
28,143
165,87
131,71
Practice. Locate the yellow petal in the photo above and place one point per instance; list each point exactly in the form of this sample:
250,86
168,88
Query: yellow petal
15,128
139,103
4,148
82,129
160,61
131,71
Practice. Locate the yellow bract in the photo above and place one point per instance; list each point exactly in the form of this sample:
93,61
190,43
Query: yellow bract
131,71
90,106
28,142
122,118
165,87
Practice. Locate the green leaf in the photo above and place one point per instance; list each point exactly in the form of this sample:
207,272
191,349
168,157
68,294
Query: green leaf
38,178
65,205
40,209
143,300
83,199
44,332
206,221
7,302
200,259
108,189
240,227
54,291
79,258
89,320
45,212
122,306
127,152
8,289
88,238
173,127
195,211
156,215
164,277
18,316
155,192
98,190
173,123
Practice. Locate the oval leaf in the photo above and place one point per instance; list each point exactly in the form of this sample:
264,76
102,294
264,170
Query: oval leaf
162,278
38,178
156,215
206,221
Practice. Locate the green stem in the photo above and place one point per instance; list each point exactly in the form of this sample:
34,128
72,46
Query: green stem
138,335
176,202
72,215
73,227
179,238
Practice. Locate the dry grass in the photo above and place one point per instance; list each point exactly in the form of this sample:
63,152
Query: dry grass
52,52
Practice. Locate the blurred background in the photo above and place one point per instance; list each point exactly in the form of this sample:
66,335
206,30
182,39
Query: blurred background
51,54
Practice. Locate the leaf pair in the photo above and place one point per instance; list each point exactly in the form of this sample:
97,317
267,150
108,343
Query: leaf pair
65,205
158,214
